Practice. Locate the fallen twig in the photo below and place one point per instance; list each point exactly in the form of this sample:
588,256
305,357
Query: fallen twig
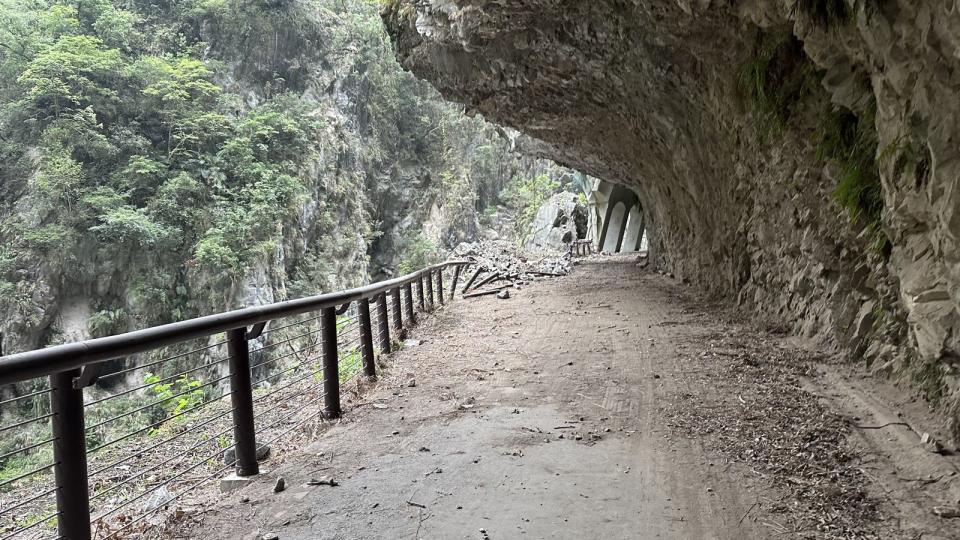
881,426
744,516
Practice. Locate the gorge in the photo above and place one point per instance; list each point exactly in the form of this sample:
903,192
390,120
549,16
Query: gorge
167,160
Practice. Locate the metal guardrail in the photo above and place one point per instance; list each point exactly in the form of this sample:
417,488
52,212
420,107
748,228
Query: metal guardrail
339,326
581,248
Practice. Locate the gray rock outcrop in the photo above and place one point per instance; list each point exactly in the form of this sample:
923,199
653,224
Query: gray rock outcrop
561,220
736,193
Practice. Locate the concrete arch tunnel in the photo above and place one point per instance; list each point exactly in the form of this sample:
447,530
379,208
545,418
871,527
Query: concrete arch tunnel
616,218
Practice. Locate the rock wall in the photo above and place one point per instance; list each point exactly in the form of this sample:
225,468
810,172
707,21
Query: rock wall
651,95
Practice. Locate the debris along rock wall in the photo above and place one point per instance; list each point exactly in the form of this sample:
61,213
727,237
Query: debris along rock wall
561,220
798,156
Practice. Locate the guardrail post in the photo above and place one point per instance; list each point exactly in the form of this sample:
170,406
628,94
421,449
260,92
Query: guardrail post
456,278
331,370
383,323
470,281
397,316
366,339
70,456
420,294
241,397
408,305
429,280
440,285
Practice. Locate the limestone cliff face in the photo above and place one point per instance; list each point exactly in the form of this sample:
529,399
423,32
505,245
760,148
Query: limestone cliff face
389,159
647,94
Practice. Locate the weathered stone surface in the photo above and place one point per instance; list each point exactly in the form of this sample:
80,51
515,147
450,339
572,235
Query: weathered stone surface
560,220
646,94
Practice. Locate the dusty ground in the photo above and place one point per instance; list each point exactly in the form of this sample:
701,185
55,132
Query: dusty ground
606,404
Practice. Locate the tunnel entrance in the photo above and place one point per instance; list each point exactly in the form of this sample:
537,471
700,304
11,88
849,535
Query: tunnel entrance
616,218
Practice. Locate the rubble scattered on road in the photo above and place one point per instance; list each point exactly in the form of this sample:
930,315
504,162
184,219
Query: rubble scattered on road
280,485
509,260
503,295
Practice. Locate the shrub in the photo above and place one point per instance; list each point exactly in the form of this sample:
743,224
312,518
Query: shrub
182,394
850,141
213,253
47,237
107,322
419,252
775,80
129,225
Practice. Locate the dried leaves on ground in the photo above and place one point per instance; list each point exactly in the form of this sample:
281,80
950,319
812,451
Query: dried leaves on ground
747,404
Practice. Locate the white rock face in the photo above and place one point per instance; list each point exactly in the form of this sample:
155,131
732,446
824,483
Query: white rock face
646,94
560,220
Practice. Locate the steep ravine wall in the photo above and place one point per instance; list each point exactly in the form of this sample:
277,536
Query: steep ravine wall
657,95
384,166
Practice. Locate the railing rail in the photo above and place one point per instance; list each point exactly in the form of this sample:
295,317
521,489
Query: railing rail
346,325
580,248
43,362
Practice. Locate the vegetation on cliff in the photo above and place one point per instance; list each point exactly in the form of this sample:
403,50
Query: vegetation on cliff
782,87
165,160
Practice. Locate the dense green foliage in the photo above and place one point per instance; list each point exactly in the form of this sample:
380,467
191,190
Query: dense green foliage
157,157
121,147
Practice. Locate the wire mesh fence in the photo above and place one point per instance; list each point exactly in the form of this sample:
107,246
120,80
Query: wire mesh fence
161,423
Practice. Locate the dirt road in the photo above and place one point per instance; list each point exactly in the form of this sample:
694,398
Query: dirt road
605,404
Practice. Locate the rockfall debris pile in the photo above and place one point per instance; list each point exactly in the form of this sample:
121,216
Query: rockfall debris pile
501,265
506,258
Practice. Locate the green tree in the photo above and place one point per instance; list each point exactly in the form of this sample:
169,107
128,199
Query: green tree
176,89
73,73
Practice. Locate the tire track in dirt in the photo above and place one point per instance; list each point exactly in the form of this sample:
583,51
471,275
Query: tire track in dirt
536,417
